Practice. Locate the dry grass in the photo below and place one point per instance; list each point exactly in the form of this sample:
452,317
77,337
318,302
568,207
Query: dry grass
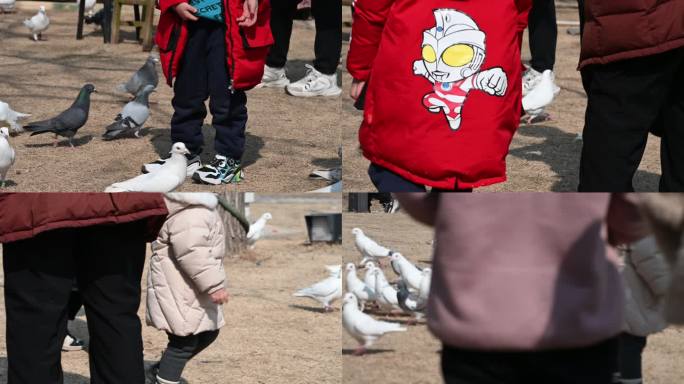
267,338
287,137
413,356
543,157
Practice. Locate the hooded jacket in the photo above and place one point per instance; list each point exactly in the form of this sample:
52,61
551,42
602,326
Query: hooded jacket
444,86
187,266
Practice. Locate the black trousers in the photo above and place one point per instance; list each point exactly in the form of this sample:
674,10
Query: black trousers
543,32
203,74
180,350
626,100
631,347
328,44
107,262
590,365
387,181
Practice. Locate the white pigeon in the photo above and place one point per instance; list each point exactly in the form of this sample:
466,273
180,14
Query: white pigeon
408,272
370,250
362,327
7,6
8,116
88,7
7,155
385,295
38,23
327,290
165,178
256,229
358,287
369,277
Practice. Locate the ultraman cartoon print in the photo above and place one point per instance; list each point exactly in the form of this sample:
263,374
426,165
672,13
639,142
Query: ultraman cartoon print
453,51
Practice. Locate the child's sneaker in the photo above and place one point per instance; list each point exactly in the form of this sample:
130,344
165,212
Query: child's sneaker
274,78
194,164
221,170
71,343
315,84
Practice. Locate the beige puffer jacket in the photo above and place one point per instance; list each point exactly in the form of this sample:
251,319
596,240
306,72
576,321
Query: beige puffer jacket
186,266
647,278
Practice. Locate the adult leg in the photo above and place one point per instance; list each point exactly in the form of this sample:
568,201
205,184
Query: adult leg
477,367
282,14
179,351
625,98
190,90
228,108
595,364
110,264
39,275
543,32
631,347
672,141
328,44
388,181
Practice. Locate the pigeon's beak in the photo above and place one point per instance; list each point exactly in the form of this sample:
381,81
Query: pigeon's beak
94,90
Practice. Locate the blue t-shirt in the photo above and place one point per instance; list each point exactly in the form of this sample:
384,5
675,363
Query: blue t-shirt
209,9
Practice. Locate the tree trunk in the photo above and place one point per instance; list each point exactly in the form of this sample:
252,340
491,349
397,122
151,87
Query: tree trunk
236,237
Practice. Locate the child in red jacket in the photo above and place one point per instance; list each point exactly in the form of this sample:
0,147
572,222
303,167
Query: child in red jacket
217,50
443,97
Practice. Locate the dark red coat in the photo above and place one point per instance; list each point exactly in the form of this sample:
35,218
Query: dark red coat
625,29
439,133
24,215
246,48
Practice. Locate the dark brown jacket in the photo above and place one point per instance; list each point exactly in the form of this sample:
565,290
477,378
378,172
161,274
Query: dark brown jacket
24,215
624,29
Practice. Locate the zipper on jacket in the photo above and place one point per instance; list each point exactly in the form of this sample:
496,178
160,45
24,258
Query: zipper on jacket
229,30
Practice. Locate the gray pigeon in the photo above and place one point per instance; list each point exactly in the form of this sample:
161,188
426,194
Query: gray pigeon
68,122
146,75
132,117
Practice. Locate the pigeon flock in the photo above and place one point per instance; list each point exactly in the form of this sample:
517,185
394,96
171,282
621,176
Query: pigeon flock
407,296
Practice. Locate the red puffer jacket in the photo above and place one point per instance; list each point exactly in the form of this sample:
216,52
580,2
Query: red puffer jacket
444,86
25,215
246,48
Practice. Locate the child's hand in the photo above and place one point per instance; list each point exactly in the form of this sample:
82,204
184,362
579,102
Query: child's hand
356,88
219,297
186,11
249,13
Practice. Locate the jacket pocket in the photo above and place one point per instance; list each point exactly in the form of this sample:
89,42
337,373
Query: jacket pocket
249,46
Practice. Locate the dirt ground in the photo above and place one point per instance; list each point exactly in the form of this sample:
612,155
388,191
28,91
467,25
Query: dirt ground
413,356
543,157
270,336
287,137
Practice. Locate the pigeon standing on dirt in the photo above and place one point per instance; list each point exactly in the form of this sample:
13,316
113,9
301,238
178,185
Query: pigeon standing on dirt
8,116
362,327
132,117
358,287
146,75
327,290
369,277
370,250
256,230
385,294
68,122
7,155
165,178
408,272
38,23
410,303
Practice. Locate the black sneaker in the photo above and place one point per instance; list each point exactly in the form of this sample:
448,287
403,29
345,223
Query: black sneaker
71,343
221,170
194,164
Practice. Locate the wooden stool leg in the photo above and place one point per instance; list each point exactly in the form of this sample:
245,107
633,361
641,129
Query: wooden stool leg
148,24
116,23
136,13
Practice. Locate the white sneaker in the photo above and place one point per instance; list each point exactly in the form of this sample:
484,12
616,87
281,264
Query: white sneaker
541,95
273,78
314,84
531,79
71,343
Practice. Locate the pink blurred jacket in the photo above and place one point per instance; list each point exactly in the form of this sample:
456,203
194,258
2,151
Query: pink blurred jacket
526,271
